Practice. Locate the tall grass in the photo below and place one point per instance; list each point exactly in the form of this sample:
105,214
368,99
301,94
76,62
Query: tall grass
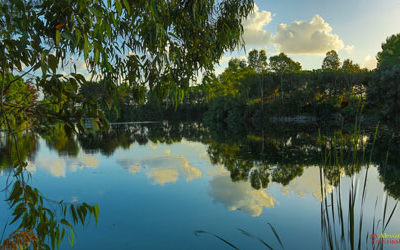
343,225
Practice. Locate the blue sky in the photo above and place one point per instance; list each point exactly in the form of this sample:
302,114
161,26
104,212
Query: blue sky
307,29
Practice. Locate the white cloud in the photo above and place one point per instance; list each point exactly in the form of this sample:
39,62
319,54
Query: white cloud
349,48
314,37
55,167
308,184
163,175
254,34
89,161
58,166
164,169
134,169
370,62
238,195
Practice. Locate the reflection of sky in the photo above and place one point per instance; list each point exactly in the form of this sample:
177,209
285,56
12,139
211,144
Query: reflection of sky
163,169
57,166
156,195
308,184
238,195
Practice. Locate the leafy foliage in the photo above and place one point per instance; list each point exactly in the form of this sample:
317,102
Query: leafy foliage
389,56
331,61
283,64
156,45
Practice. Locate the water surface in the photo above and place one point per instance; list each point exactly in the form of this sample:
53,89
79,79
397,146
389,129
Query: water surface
155,185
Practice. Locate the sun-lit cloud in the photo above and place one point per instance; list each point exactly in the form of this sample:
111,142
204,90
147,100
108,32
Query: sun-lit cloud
370,62
238,195
134,169
349,48
57,166
163,169
31,167
163,175
54,166
314,37
308,184
254,34
89,161
153,145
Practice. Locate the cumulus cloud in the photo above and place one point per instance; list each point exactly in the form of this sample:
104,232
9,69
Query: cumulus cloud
164,169
134,169
238,195
349,48
254,34
58,166
55,167
308,184
314,37
370,62
163,175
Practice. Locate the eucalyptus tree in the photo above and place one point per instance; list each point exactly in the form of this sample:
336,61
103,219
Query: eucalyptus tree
331,61
389,56
159,44
350,67
257,60
331,64
281,64
384,91
156,44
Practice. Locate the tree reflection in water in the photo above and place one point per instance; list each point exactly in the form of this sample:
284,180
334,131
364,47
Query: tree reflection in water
259,157
37,221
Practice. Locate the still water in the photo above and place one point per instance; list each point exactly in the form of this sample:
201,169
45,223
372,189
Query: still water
157,184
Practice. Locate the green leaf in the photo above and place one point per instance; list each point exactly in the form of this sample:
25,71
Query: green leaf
71,238
96,212
128,8
16,192
86,47
43,64
73,213
96,56
58,36
118,7
66,223
53,62
80,215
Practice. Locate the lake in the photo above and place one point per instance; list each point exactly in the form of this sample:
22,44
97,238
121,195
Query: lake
185,186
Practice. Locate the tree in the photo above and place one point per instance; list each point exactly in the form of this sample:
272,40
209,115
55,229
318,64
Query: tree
283,64
235,65
350,67
257,60
156,44
331,61
390,54
383,92
167,43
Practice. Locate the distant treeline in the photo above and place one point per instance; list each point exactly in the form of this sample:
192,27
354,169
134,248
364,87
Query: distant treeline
253,90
